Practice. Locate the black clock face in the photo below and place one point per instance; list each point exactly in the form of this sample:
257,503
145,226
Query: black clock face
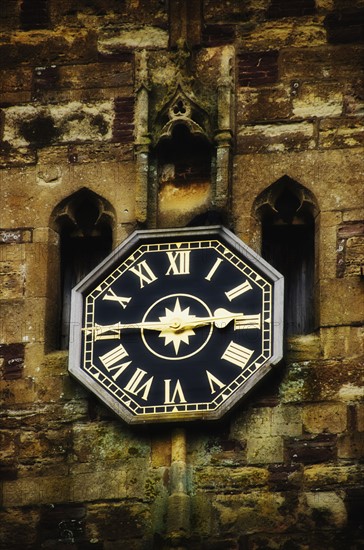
176,328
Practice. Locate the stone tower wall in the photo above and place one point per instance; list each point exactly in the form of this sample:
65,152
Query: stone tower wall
277,88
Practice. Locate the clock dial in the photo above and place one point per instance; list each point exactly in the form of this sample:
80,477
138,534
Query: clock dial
175,325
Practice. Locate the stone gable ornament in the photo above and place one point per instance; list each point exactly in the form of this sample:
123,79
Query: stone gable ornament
176,325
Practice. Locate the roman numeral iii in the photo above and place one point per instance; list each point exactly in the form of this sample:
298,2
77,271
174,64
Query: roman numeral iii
237,354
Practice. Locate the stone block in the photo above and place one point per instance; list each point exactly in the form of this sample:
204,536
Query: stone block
282,137
345,26
249,513
264,450
304,347
18,528
342,342
263,104
11,361
37,490
17,391
35,47
328,477
127,522
284,478
98,485
341,133
321,100
322,62
230,480
94,442
359,409
347,308
296,8
325,418
329,506
351,446
311,449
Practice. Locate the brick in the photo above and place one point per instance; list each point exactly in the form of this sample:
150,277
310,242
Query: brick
257,68
282,136
123,127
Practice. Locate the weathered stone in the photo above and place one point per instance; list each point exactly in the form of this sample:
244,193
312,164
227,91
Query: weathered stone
285,136
329,477
351,446
330,506
230,480
341,133
311,450
325,418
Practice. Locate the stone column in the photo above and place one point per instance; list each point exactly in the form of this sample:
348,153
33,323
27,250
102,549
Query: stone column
178,515
142,141
224,132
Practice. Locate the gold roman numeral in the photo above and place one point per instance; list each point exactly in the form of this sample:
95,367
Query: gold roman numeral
212,271
144,272
248,321
236,354
179,262
136,384
238,290
213,381
111,361
169,396
122,300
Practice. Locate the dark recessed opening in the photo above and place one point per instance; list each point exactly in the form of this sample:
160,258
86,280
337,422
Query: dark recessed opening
85,241
288,243
187,155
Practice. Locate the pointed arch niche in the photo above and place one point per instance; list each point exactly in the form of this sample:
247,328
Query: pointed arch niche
84,222
288,215
183,158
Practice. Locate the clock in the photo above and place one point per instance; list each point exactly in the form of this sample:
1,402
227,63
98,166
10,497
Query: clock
176,325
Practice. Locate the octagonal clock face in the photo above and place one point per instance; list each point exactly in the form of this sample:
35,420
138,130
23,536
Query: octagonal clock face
176,325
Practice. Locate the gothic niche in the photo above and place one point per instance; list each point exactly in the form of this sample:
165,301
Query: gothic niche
183,157
84,222
288,211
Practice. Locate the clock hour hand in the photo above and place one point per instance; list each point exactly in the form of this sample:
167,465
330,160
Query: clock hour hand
221,318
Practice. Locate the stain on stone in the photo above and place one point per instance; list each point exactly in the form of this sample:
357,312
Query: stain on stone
100,123
40,131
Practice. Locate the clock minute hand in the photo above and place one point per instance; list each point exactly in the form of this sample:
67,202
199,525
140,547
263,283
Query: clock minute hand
101,329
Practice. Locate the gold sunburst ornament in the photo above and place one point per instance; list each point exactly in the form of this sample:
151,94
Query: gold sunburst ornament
174,319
